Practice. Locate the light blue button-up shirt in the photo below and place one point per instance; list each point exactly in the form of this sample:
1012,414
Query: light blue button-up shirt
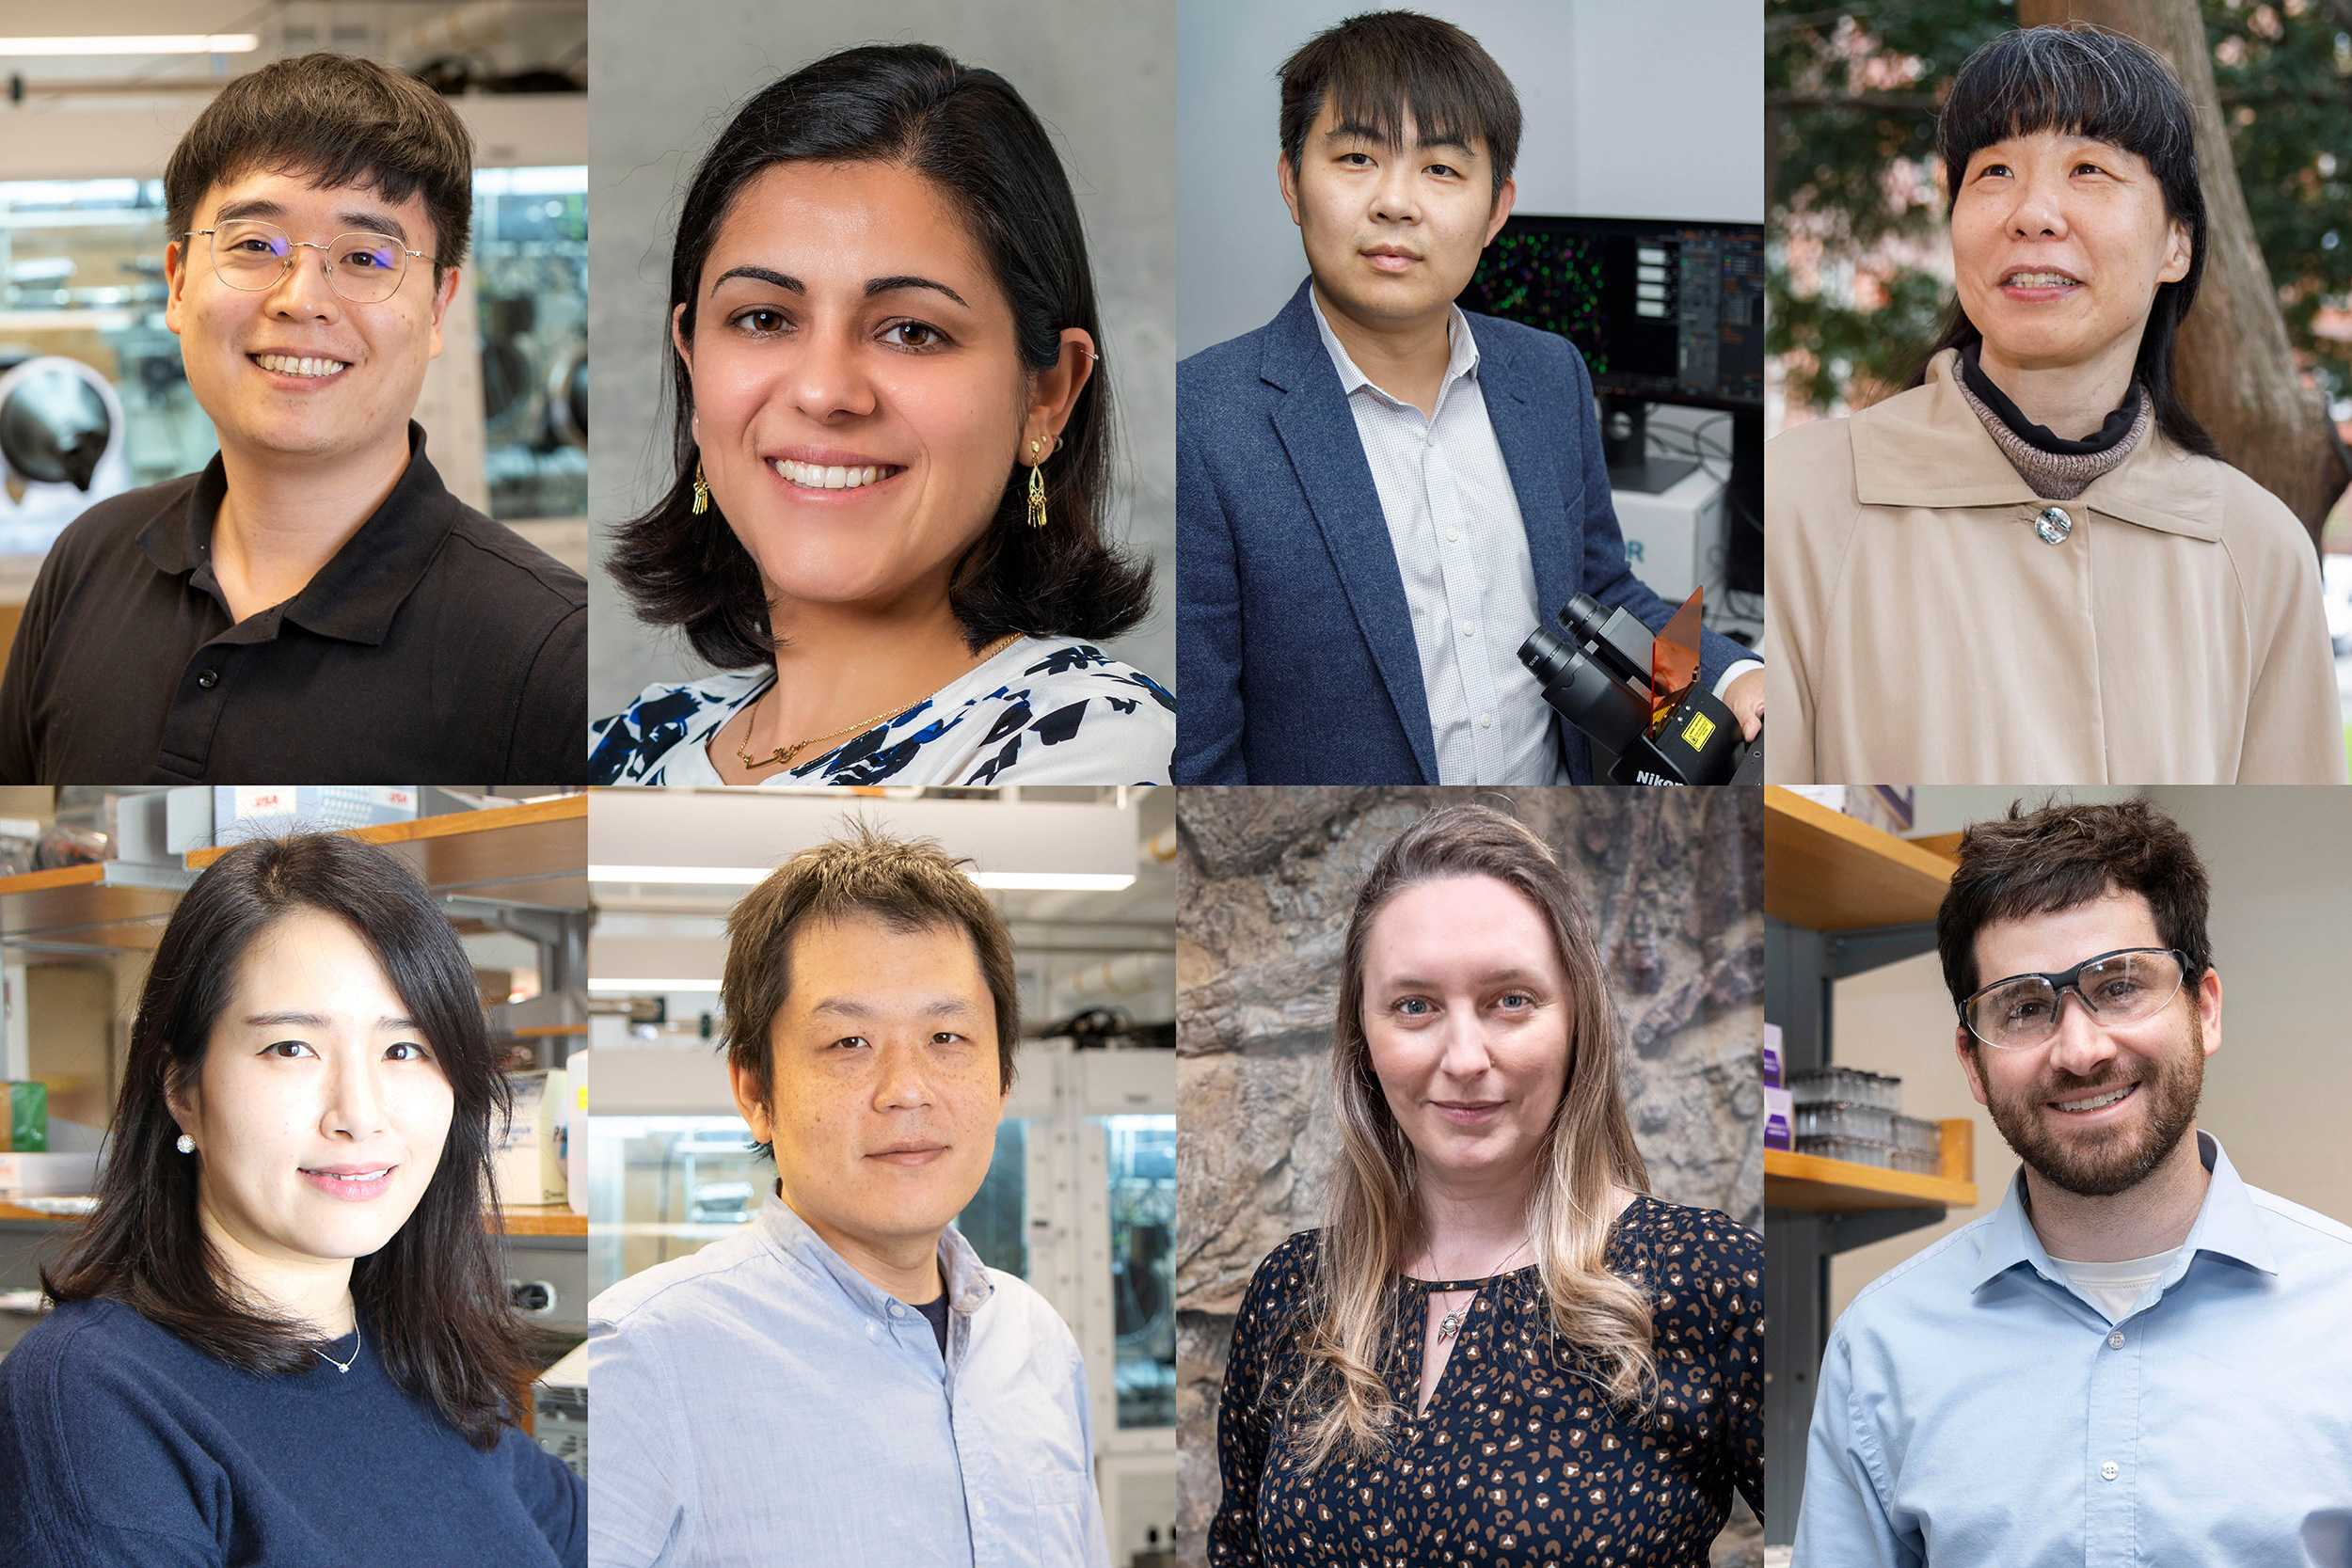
1976,1408
764,1403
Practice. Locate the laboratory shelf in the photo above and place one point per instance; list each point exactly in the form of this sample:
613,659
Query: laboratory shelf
1826,872
1808,1181
533,853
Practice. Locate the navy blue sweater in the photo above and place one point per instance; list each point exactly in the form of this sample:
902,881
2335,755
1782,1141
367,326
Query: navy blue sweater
124,1446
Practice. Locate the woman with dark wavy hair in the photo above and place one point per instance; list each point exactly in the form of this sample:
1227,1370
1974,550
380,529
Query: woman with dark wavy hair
2033,567
1500,1347
283,1338
893,455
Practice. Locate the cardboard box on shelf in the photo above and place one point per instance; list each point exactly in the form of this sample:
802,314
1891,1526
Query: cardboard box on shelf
530,1166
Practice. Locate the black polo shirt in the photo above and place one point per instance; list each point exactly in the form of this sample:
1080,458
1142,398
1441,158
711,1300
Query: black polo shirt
435,648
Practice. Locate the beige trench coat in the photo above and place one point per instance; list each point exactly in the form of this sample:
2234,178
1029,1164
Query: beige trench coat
1917,630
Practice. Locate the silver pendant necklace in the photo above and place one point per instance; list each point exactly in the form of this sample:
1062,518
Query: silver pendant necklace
1451,1325
344,1367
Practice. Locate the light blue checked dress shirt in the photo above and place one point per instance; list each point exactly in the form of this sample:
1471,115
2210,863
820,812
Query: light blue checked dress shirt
1976,1408
763,1404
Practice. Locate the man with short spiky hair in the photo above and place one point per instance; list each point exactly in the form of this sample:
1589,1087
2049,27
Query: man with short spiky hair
314,605
2137,1358
845,1383
1379,496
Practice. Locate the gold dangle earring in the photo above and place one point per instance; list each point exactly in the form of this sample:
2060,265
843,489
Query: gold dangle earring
702,489
1037,484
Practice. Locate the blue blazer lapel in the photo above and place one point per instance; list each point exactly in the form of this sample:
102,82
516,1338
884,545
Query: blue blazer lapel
1318,433
1555,542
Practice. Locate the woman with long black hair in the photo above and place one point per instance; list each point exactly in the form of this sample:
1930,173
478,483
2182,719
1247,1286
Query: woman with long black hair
282,1340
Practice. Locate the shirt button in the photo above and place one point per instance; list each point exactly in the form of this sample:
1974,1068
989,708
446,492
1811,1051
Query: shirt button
2115,1340
2109,1471
897,1310
1453,537
208,678
979,1509
1485,721
1469,630
871,1331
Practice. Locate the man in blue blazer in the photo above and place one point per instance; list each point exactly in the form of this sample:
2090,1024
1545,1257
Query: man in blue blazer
1380,495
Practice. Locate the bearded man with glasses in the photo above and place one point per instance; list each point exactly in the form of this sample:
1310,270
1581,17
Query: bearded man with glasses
315,604
2137,1358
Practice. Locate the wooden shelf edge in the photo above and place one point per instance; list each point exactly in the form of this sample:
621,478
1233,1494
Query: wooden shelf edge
522,814
47,881
1808,1181
1878,841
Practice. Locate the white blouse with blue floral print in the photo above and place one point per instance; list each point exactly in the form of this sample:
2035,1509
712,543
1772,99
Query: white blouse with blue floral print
1043,711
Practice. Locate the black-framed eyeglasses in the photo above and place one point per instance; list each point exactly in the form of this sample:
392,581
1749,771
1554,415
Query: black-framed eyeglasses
361,267
2118,987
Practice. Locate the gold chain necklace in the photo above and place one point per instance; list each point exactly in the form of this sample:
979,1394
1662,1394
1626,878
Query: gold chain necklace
784,755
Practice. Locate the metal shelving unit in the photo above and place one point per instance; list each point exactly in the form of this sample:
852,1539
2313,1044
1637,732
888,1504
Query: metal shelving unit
1840,898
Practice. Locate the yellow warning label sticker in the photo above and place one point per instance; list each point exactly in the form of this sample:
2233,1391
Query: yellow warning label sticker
1695,733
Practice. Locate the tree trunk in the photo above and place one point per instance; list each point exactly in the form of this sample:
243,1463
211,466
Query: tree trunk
2232,363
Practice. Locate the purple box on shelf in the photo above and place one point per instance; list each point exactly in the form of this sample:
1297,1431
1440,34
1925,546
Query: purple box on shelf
1780,1120
1772,1056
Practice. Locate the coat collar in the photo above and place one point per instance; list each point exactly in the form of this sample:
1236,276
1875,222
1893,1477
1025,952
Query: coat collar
1927,448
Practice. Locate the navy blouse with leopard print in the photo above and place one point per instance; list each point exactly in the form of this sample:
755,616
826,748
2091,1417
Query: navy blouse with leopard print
1518,1458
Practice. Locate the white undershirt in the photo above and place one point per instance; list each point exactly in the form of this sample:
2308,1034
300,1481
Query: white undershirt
2116,1287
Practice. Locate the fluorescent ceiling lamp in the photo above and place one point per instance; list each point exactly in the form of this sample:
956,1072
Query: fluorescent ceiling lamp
651,987
752,876
133,43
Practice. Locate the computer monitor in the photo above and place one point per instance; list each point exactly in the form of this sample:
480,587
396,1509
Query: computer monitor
1663,311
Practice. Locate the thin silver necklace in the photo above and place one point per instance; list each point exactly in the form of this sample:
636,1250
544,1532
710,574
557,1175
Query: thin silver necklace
1451,1325
344,1367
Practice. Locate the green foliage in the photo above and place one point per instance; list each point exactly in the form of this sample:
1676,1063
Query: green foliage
1843,108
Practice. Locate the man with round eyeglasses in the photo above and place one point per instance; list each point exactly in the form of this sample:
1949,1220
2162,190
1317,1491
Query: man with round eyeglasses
314,605
2138,1358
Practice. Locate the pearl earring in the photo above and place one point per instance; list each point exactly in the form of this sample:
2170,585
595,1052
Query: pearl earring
187,1145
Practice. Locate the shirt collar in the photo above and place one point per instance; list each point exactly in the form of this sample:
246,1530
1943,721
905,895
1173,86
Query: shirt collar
794,1239
1461,354
355,596
2228,1224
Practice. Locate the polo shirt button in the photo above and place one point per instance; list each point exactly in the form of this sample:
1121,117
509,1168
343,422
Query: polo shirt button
2109,1471
2115,1340
208,678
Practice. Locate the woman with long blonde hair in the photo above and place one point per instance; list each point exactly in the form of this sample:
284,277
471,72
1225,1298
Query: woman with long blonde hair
1499,1345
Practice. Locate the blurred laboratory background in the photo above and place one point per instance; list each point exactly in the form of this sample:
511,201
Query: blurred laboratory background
1080,1200
93,400
89,880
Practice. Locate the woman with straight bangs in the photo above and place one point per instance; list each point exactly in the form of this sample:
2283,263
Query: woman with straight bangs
1498,1347
2034,567
893,456
283,1340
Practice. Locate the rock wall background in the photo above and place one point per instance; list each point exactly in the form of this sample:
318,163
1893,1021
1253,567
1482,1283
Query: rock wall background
1266,877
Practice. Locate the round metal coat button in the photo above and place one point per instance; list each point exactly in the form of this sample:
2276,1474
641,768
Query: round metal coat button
208,678
2053,524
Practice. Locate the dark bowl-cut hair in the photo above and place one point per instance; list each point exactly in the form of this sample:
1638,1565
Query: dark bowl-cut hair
2079,79
433,1299
1377,68
2061,857
337,120
907,885
968,133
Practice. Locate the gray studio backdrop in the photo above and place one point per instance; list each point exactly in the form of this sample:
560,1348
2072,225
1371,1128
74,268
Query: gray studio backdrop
665,77
1648,111
1266,877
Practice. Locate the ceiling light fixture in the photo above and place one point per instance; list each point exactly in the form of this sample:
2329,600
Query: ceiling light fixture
752,876
128,43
